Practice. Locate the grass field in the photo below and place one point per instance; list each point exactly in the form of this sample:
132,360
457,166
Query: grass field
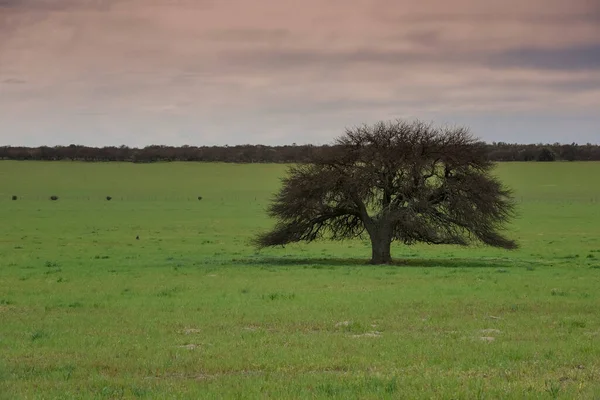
190,310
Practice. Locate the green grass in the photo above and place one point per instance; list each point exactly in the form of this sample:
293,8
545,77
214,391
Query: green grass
190,310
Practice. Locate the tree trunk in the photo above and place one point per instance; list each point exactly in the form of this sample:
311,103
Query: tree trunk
381,249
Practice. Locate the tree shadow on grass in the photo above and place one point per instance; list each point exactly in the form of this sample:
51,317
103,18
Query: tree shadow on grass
412,262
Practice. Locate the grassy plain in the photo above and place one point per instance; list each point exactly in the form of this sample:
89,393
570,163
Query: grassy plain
190,310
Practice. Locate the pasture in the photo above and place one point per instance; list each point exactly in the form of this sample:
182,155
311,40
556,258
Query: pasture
190,310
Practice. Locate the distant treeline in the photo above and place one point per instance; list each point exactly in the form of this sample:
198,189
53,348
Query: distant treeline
272,154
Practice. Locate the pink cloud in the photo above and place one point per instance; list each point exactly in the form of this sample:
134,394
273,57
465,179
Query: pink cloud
199,62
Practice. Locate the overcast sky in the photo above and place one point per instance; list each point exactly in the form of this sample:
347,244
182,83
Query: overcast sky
205,72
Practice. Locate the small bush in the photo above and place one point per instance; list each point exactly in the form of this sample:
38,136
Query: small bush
51,264
108,198
38,335
14,197
54,198
199,197
278,296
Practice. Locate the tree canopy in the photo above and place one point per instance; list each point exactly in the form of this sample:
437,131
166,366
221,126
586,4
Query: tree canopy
404,181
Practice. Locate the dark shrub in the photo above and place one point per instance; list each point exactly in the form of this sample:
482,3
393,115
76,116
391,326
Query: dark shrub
199,197
546,155
108,198
14,197
53,197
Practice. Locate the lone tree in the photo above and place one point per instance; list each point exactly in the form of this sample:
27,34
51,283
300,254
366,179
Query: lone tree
394,181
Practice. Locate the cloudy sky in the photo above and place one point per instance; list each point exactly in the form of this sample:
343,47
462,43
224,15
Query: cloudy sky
204,72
